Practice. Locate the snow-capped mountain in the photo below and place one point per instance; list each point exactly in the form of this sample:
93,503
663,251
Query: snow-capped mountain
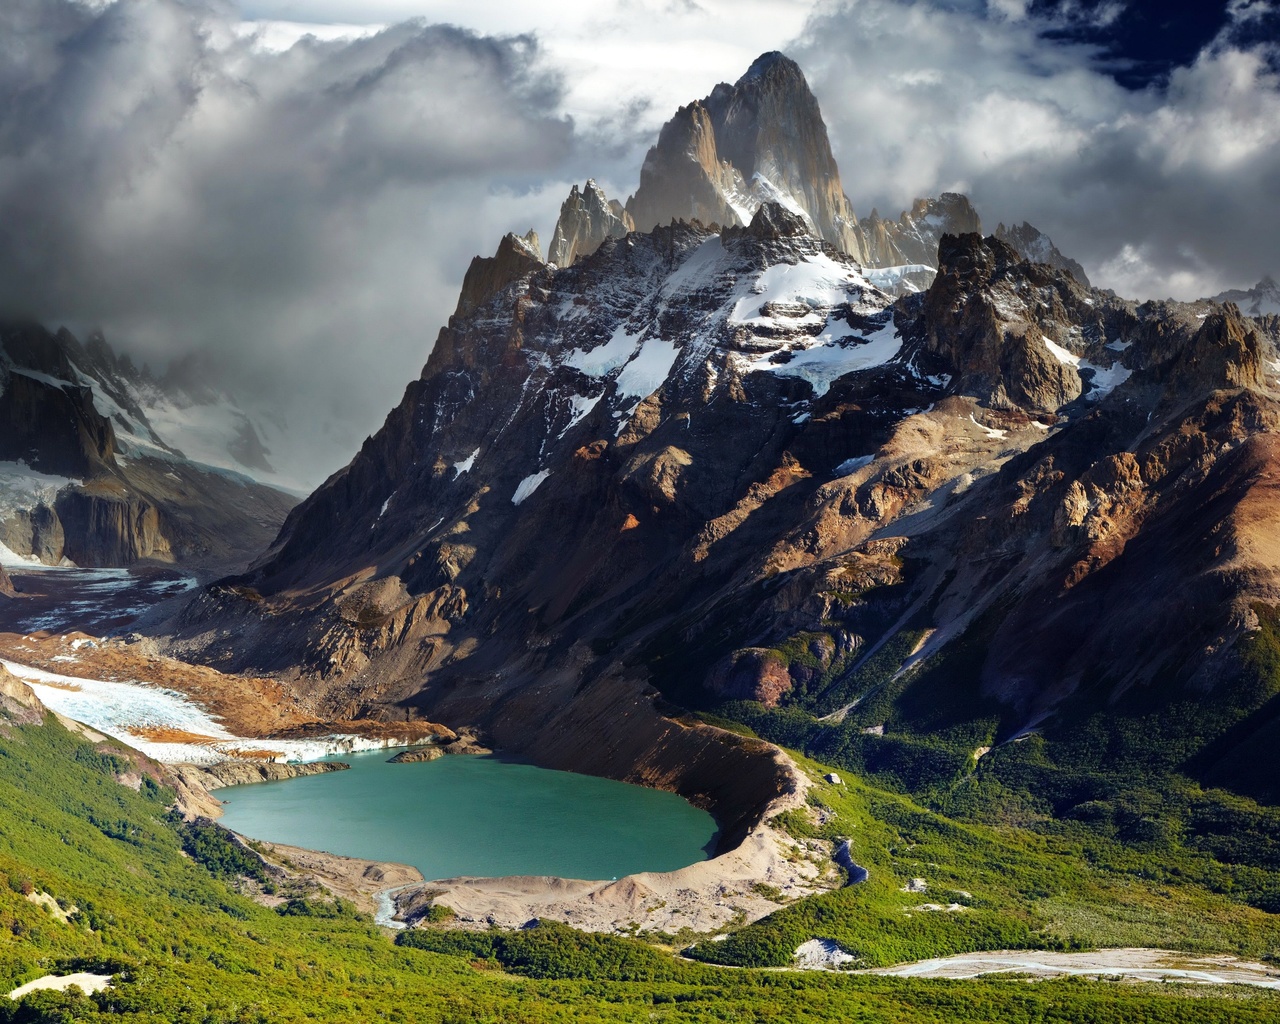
763,140
1262,300
722,463
1038,247
104,463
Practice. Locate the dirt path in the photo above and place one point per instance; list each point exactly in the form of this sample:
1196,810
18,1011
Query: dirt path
1130,964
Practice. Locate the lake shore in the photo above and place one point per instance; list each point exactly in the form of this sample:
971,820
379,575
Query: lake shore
701,898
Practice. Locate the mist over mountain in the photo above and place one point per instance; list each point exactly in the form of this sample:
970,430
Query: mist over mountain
183,179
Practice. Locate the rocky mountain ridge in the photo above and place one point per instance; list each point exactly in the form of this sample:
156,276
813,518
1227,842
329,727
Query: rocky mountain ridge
763,140
91,471
715,437
706,464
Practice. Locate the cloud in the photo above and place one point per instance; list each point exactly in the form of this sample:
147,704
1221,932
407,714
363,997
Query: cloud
194,175
1169,190
303,217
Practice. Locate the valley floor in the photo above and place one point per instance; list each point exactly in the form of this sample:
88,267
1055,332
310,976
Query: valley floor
946,909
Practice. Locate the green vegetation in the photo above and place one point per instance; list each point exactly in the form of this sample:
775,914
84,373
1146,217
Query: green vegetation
217,850
156,907
992,887
1103,827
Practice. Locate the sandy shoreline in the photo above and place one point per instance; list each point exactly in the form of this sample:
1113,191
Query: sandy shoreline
360,881
702,897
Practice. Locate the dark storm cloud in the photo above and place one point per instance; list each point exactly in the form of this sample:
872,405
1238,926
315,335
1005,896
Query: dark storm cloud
304,217
1169,189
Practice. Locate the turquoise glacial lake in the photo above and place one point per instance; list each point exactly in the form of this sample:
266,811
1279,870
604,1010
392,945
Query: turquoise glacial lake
466,815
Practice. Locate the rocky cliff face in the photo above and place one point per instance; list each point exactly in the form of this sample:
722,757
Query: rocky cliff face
912,240
760,140
587,218
703,464
86,476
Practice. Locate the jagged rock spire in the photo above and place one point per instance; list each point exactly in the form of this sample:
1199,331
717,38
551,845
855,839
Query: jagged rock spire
587,218
760,140
913,237
517,255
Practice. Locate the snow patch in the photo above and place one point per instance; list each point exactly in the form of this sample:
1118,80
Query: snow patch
991,432
528,485
699,270
116,709
581,406
1105,379
831,356
1102,380
648,370
604,359
1063,356
464,466
890,278
854,464
817,281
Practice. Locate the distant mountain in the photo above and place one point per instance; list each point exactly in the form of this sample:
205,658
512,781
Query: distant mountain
1035,245
912,240
763,140
104,464
1262,300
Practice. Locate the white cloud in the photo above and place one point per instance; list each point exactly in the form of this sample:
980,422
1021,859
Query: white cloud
1171,190
186,176
304,216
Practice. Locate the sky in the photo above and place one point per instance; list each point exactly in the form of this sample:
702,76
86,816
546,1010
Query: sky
294,188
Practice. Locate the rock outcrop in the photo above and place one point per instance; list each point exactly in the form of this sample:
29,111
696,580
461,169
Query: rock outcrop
587,218
53,426
238,772
517,255
18,703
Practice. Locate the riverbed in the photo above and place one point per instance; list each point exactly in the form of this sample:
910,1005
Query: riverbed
467,815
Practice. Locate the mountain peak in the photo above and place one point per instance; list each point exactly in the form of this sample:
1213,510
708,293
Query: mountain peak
773,220
1033,244
760,140
587,218
1263,299
772,64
